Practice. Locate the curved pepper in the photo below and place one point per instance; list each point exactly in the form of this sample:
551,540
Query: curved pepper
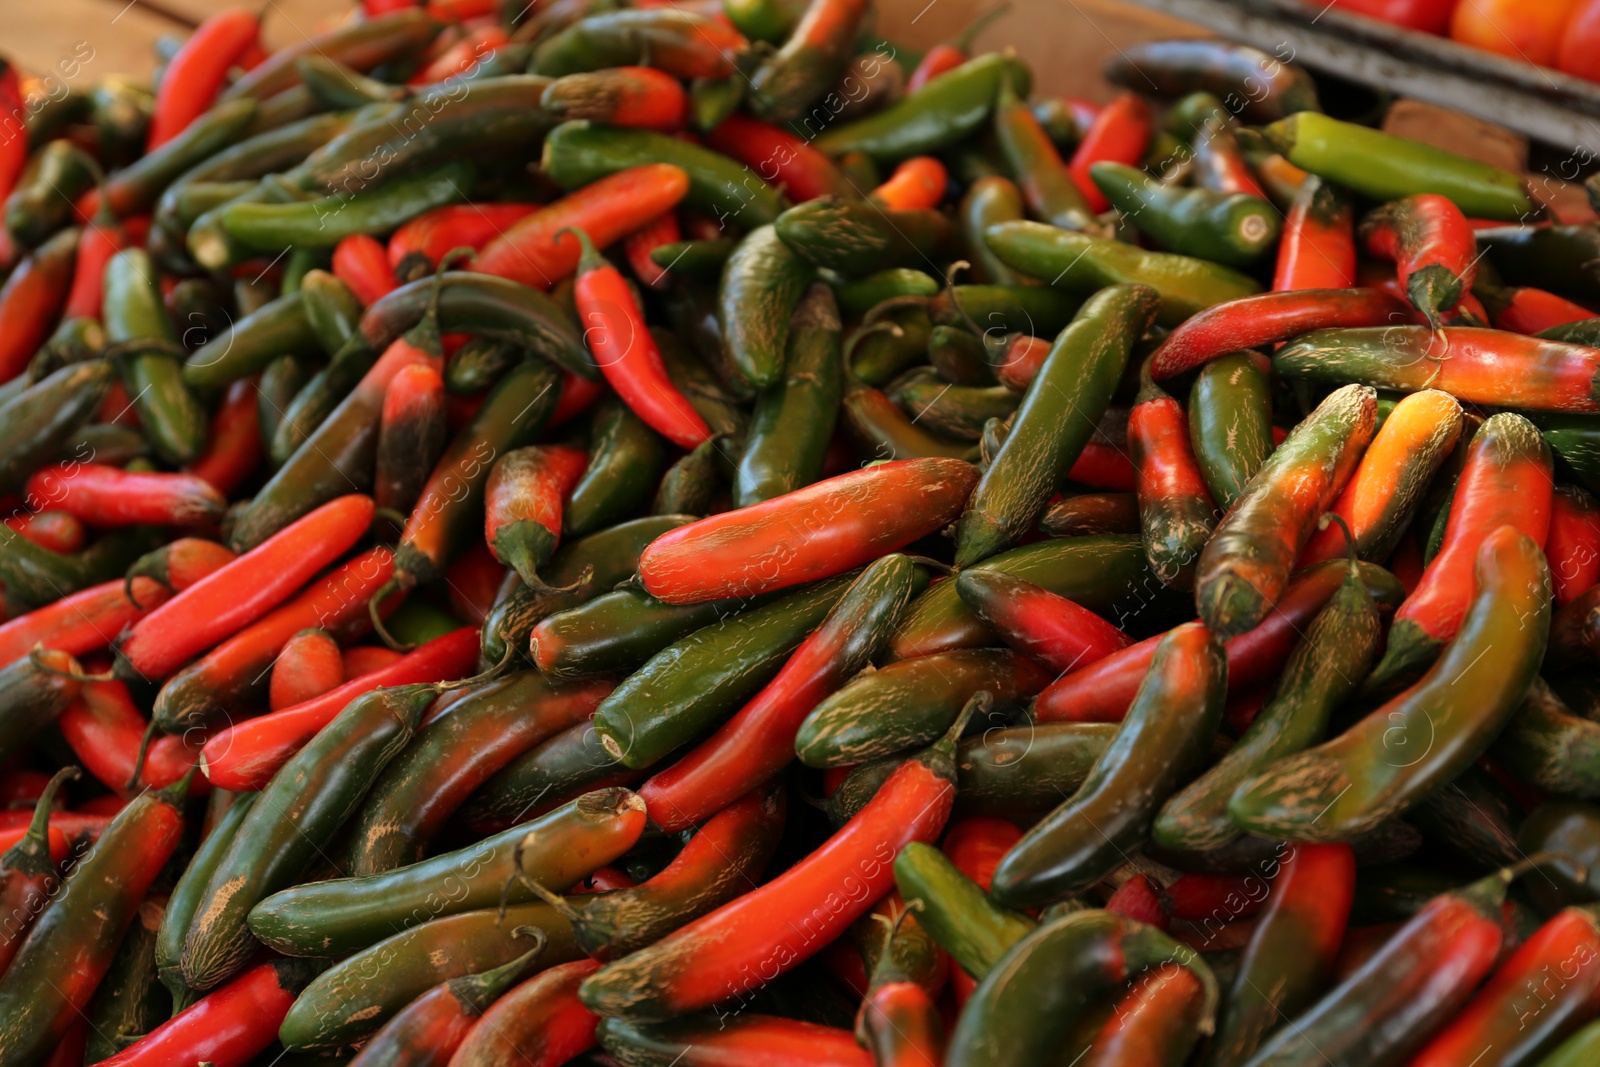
1434,252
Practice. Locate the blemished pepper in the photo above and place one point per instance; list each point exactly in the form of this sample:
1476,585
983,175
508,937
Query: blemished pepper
1154,751
1025,1007
856,237
1083,264
1230,423
1232,228
1046,185
1085,364
688,44
1506,479
1175,509
1429,733
540,1023
808,63
1431,244
1245,567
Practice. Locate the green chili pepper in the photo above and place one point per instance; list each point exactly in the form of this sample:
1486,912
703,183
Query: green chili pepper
701,385
616,632
1262,87
956,911
295,817
960,357
1474,816
1429,733
946,110
135,188
1230,423
861,295
478,364
1057,417
626,460
1163,739
809,62
1246,564
691,485
892,338
1325,670
854,237
1559,258
1044,181
762,283
793,420
765,20
1232,228
152,372
701,260
1575,439
579,152
33,576
565,767
249,345
1082,264
1022,772
37,422
361,45
953,411
885,432
42,202
702,678
1384,167
185,899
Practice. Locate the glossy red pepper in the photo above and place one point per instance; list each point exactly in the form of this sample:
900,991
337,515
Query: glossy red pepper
82,622
642,97
309,665
416,247
638,246
474,580
227,1027
918,183
106,731
536,252
1434,250
102,238
779,158
1139,899
242,591
1120,133
1218,163
246,755
1525,309
179,564
1318,247
1045,626
734,951
13,128
540,1023
57,530
1224,897
361,263
101,495
614,329
1429,16
29,869
462,57
235,448
199,71
364,659
816,532
1025,354
523,500
31,300
1258,320
1573,546
940,59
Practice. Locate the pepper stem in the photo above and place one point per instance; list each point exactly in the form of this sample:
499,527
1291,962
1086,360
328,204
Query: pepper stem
589,257
31,855
1349,538
144,751
77,676
378,628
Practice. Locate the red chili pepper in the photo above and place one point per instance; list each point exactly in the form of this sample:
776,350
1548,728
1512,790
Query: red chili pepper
57,530
1429,16
639,244
83,622
101,495
463,56
28,870
605,879
106,730
540,1023
374,8
578,394
1103,465
1573,547
1220,897
24,787
309,665
227,1027
1504,482
235,449
474,580
1528,310
1318,247
31,301
918,183
1218,163
1434,250
1138,899
13,128
1101,692
361,263
523,501
977,844
537,253
198,71
1045,626
1156,1023
940,59
1175,508
417,247
641,97
734,951
72,824
102,238
244,590
615,331
778,157
1252,321
222,679
117,408
750,1039
1025,354
411,433
1542,993
1120,133
816,532
70,1052
364,659
181,563
247,755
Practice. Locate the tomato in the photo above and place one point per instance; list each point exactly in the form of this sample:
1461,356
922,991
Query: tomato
1429,16
1529,30
1579,54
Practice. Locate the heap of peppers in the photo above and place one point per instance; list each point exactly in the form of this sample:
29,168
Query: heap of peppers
691,534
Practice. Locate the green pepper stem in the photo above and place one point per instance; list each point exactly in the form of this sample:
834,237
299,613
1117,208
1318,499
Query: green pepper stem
31,855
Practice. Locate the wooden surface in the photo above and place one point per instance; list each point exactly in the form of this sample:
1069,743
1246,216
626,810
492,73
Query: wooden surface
1063,40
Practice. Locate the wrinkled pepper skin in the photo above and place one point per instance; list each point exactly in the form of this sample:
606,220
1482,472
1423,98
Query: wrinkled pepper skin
1230,423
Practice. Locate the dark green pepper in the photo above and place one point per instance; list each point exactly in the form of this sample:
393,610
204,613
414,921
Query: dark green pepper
1232,228
626,461
762,283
